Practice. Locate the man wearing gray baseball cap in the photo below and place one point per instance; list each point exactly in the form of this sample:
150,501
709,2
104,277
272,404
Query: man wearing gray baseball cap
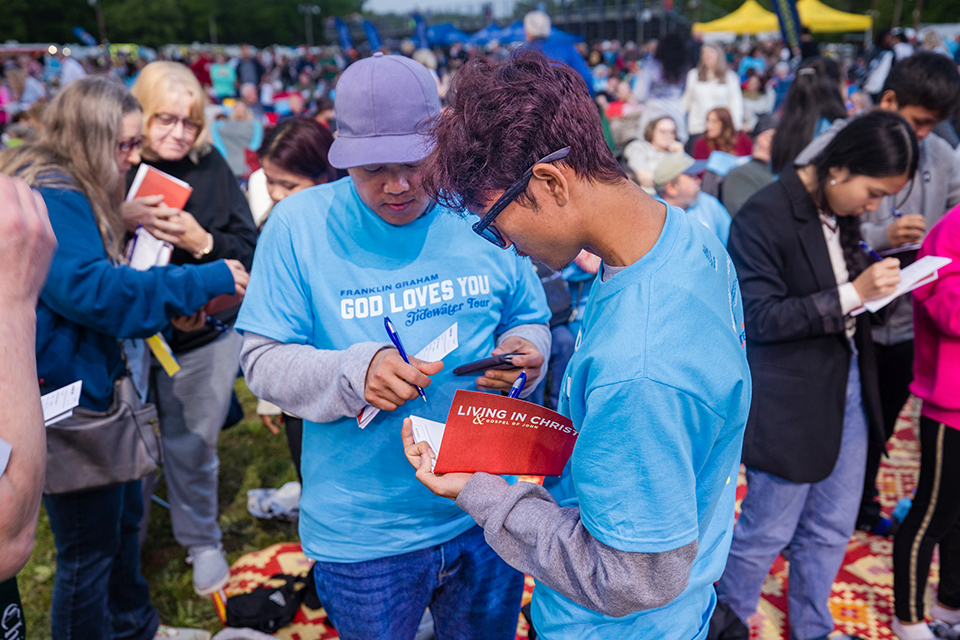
333,262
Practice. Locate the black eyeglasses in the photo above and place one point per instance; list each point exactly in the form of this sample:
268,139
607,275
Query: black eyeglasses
129,145
483,228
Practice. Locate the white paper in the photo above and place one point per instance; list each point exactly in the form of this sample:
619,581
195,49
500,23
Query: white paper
137,181
438,349
58,405
5,449
146,251
429,431
917,274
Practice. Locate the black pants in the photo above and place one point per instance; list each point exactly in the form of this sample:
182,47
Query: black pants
895,369
294,429
934,519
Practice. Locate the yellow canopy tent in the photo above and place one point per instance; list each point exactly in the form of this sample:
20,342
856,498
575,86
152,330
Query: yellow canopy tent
749,17
820,18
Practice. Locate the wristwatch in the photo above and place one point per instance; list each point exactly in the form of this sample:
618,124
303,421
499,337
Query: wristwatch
207,247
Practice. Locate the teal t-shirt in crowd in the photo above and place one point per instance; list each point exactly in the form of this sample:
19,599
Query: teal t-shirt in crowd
326,272
659,389
223,79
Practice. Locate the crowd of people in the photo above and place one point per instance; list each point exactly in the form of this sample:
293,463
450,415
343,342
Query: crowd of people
695,217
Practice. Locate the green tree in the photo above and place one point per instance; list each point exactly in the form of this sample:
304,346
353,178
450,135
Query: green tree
148,22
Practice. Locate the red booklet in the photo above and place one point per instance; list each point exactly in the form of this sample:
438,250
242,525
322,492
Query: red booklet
499,435
150,181
223,302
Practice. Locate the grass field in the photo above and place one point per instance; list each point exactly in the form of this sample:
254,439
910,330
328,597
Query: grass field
250,457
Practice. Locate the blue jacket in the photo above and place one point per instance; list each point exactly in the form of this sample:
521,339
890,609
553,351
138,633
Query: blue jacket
567,54
88,302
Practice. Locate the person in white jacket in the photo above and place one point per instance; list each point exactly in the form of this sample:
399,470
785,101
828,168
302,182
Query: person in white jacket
712,84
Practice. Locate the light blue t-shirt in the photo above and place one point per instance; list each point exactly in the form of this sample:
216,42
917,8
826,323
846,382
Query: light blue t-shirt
659,389
711,213
326,271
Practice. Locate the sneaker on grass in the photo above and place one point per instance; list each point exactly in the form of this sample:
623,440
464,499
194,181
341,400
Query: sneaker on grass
210,569
181,634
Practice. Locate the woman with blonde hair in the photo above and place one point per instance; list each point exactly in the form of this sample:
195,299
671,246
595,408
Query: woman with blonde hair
710,85
215,223
91,136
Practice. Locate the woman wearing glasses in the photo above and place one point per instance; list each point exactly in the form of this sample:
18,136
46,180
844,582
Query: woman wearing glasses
215,223
91,136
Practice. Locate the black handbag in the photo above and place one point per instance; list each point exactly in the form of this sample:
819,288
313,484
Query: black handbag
94,449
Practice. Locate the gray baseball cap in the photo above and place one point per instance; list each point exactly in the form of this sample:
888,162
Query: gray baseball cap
384,105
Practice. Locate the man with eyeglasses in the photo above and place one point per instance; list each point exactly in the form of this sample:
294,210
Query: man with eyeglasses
629,541
332,262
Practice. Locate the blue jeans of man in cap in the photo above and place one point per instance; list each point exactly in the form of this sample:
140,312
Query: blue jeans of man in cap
471,592
815,520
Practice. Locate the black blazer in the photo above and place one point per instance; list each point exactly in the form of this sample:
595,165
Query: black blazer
798,353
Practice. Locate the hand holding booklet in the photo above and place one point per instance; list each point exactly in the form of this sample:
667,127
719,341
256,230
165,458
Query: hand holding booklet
919,273
495,434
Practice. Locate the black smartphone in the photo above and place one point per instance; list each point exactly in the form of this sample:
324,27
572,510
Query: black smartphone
501,362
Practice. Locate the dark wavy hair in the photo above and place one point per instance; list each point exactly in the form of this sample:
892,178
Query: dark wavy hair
300,145
879,144
814,94
926,79
727,140
503,117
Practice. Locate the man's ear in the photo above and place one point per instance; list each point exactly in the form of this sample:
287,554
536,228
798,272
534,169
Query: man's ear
552,182
888,101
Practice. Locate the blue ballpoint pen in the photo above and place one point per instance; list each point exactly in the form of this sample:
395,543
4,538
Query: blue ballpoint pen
896,212
395,339
216,324
518,385
867,249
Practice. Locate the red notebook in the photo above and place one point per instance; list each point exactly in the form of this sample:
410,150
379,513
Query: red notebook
499,435
150,181
223,302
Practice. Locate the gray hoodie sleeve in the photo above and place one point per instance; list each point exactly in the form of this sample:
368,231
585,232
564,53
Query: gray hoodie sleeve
315,384
532,533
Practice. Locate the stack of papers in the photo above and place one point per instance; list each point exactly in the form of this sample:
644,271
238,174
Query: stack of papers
438,349
921,272
59,405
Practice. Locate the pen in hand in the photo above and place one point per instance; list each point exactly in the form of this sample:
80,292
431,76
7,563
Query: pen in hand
867,249
518,385
395,339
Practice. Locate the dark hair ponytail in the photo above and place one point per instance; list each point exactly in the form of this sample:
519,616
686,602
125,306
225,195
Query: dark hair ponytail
814,94
879,144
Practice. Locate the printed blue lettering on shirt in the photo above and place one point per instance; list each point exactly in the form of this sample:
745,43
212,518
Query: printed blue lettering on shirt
326,272
659,389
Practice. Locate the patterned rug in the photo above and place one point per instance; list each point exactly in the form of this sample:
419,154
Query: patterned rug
862,598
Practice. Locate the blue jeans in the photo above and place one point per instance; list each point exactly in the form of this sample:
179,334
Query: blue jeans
471,592
98,591
815,520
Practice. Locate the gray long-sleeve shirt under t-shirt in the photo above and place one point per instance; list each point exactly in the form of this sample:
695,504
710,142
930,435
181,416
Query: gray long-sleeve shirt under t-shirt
325,385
